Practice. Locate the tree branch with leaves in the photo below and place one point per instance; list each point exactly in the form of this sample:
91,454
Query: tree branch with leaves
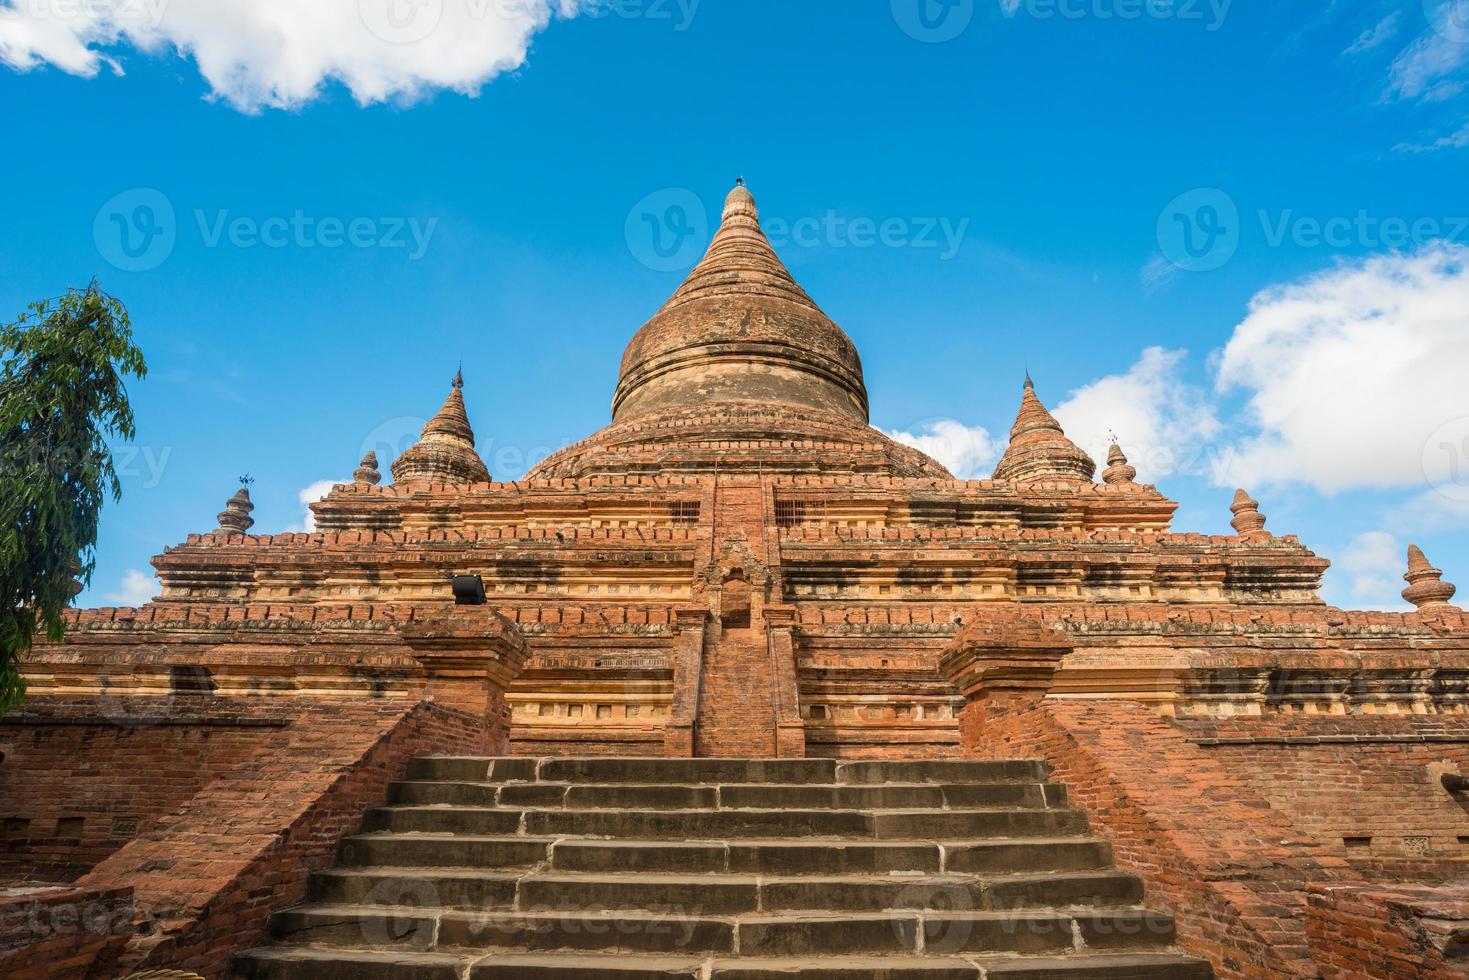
62,399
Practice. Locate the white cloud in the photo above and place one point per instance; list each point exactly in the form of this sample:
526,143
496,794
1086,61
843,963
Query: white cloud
1371,572
280,53
311,495
1355,376
1425,70
1456,140
1156,273
967,451
1429,512
1164,424
1377,35
136,589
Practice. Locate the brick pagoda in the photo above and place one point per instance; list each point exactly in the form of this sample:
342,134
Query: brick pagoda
740,566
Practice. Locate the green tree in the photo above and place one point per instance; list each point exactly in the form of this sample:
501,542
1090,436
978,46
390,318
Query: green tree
62,365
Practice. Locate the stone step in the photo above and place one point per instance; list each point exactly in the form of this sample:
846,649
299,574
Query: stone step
720,894
722,869
689,931
450,888
330,963
441,851
305,963
701,824
697,771
734,893
747,856
1006,856
641,796
476,853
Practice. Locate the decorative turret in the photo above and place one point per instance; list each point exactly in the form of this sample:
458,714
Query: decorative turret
1039,449
367,474
235,518
1117,470
1426,588
1248,522
445,451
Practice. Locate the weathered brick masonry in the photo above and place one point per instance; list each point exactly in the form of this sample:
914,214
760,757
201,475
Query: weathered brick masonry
740,565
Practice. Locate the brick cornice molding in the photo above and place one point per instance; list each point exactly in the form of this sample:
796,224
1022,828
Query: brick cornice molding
780,617
691,617
1012,657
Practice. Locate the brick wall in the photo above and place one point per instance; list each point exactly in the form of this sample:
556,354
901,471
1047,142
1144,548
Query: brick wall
1408,933
83,776
278,782
1366,786
210,874
48,933
1209,847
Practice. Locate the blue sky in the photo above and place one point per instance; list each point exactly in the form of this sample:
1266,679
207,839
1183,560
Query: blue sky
1232,233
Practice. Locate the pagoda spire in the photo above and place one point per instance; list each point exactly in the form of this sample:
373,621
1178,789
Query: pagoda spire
235,518
1426,588
367,474
740,329
1039,449
1248,522
445,451
1118,470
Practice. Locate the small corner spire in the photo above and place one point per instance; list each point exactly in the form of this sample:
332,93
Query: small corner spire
1039,449
1248,522
1426,587
235,518
458,381
367,473
1118,470
445,450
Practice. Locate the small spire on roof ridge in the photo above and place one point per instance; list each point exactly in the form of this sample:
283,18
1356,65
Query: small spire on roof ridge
367,473
1118,471
445,451
1248,522
1039,449
1426,588
739,182
458,381
235,518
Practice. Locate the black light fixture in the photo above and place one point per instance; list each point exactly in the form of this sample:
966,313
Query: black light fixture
469,590
1454,783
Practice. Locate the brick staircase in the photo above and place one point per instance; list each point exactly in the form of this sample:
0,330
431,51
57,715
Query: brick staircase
722,869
